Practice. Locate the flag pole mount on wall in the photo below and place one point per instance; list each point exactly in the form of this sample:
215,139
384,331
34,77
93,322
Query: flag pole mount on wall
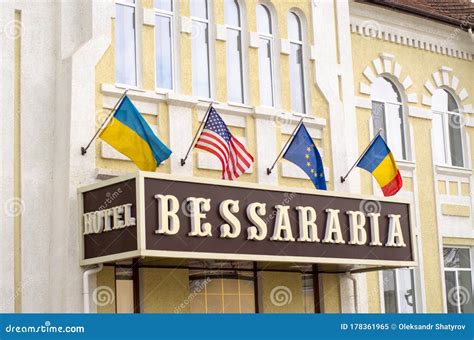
269,170
84,149
198,132
343,178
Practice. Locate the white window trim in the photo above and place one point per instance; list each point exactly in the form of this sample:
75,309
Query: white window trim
210,47
171,15
137,20
456,270
242,53
305,62
446,142
416,295
402,103
270,39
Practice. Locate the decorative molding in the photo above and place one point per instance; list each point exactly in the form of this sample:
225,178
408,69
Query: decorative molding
404,29
148,17
221,32
443,77
455,210
254,40
418,112
186,25
453,171
285,47
383,65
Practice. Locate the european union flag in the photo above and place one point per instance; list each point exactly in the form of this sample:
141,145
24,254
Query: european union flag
305,154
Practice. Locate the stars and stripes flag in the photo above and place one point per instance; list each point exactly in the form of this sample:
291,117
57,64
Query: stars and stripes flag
217,139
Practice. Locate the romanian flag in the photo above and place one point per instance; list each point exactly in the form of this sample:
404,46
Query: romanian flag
130,134
379,161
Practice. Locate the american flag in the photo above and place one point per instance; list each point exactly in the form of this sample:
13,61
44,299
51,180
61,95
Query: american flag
217,139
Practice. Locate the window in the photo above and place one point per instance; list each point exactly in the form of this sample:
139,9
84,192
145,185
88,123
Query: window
235,82
164,44
265,56
200,48
221,291
447,129
298,101
458,278
387,114
125,43
399,291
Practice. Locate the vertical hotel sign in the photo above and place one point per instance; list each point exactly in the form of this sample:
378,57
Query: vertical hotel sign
155,215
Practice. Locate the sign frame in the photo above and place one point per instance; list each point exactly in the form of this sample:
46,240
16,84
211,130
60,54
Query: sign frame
141,250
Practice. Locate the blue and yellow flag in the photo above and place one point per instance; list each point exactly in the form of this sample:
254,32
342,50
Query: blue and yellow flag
130,134
303,152
379,161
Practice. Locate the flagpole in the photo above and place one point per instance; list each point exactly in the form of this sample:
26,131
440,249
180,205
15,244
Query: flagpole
343,178
84,149
203,123
269,170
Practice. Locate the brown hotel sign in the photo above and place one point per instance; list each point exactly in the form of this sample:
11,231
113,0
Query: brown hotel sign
153,215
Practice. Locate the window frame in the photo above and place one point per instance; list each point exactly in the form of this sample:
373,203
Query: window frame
456,276
405,137
271,39
135,6
171,16
445,126
301,43
239,29
210,59
416,308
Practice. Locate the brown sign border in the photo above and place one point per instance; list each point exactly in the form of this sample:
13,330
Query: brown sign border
141,241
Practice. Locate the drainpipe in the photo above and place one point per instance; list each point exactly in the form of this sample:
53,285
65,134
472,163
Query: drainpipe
356,297
85,285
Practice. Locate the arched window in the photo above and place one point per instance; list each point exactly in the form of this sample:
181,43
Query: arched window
125,43
295,36
200,48
265,56
235,78
164,44
446,128
387,114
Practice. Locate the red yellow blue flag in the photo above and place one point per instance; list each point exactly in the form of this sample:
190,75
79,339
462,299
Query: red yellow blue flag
379,161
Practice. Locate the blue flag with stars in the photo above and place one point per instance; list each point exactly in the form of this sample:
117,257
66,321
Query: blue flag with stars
305,154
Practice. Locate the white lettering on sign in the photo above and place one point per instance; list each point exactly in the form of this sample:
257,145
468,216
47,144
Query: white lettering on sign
358,223
115,218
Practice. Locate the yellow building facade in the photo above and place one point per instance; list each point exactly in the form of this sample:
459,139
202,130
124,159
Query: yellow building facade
346,68
416,69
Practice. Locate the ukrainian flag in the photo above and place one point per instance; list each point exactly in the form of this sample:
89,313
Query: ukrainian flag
379,161
131,135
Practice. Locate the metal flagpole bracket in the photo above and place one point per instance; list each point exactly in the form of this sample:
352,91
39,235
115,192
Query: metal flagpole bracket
343,178
204,120
84,149
269,170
